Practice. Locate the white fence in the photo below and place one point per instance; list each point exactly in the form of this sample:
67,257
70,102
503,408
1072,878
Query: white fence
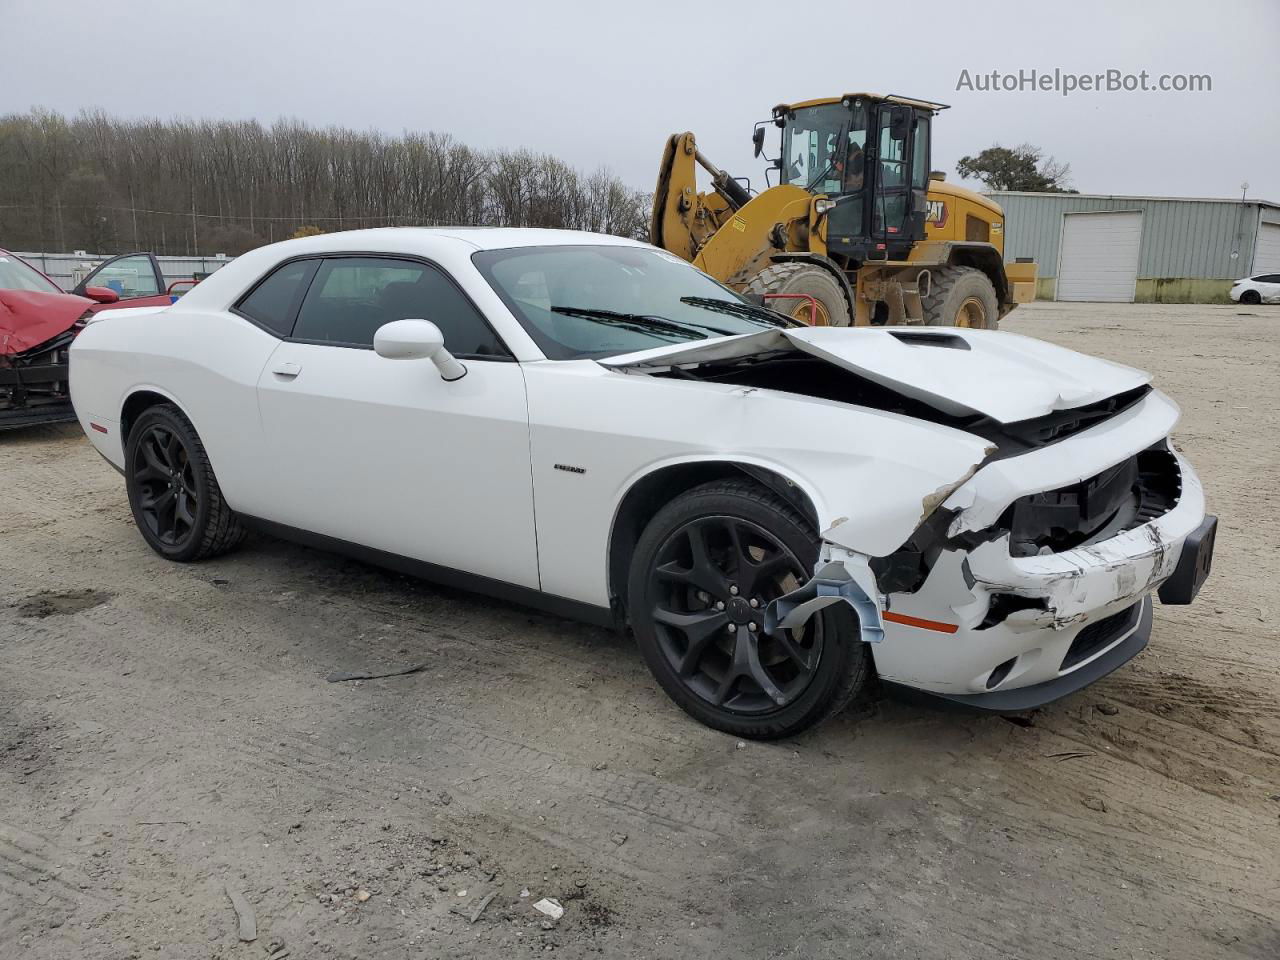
68,269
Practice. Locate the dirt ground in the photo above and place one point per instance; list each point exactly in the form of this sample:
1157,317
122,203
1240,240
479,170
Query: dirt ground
167,733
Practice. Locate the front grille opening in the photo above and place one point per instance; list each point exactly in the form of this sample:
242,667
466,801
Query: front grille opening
1100,635
1000,672
1121,498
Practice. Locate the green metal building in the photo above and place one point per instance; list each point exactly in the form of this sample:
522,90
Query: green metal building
1140,249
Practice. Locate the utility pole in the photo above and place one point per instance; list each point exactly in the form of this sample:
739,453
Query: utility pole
195,237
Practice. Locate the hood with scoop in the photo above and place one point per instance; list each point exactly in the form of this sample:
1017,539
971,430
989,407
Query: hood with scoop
1003,376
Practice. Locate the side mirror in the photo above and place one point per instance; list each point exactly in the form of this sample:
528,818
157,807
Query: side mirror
900,122
417,340
758,139
102,294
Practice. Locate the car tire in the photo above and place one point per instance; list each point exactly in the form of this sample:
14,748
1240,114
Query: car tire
961,297
173,493
805,280
702,574
1251,297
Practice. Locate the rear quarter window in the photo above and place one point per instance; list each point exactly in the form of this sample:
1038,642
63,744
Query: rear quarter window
273,303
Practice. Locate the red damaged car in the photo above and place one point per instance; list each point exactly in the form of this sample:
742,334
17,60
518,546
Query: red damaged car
38,321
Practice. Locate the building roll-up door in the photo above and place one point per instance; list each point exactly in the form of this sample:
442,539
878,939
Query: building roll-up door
1099,256
1266,253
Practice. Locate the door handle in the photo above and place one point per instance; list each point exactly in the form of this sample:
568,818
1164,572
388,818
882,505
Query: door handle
287,369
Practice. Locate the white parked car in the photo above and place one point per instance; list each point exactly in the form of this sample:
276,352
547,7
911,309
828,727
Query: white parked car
1264,288
592,426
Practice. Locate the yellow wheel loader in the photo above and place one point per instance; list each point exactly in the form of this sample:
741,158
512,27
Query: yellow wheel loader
857,230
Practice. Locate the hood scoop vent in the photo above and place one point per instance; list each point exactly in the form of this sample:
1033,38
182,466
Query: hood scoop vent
922,338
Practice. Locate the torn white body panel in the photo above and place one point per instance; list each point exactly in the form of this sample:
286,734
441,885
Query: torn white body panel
1067,592
985,619
982,498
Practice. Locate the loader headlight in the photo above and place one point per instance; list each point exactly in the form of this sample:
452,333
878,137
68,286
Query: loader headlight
823,205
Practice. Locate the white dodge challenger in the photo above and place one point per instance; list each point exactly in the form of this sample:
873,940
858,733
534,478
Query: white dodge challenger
592,426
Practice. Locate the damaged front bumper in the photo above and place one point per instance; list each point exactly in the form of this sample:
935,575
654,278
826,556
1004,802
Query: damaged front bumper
34,385
1000,621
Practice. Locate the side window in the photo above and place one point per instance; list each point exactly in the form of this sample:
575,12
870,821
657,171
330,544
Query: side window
274,302
353,296
130,277
920,155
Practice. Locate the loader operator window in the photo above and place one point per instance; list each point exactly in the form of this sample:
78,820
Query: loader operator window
822,148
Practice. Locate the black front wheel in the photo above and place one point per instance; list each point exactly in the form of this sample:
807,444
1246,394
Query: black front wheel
704,571
176,501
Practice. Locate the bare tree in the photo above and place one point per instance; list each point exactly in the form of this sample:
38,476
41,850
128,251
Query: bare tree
184,186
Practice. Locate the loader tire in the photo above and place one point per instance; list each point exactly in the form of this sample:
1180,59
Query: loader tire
803,278
962,297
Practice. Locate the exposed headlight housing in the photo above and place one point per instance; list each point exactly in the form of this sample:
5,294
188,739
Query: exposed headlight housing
823,205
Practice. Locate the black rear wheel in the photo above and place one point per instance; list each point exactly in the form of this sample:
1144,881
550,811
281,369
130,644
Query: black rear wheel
704,572
1251,297
175,498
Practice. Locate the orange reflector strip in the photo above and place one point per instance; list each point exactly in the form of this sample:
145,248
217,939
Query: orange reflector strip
920,622
99,427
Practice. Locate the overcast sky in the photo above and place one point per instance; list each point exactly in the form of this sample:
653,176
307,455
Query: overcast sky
602,84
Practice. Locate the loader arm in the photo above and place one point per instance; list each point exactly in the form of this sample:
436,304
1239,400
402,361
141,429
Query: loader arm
682,218
774,222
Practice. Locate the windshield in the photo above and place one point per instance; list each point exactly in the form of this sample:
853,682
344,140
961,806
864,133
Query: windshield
598,301
822,148
16,275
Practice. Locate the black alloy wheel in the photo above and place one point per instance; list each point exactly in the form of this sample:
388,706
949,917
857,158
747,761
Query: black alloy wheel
167,497
714,578
176,501
703,574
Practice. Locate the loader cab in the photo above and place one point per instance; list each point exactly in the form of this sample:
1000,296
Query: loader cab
869,156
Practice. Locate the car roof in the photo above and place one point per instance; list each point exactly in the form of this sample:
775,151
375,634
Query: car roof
446,245
477,238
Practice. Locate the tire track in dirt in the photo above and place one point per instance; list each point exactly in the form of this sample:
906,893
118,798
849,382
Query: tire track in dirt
673,806
575,808
37,878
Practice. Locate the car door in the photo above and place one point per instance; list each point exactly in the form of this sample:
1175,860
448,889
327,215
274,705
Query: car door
1269,287
136,279
385,453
